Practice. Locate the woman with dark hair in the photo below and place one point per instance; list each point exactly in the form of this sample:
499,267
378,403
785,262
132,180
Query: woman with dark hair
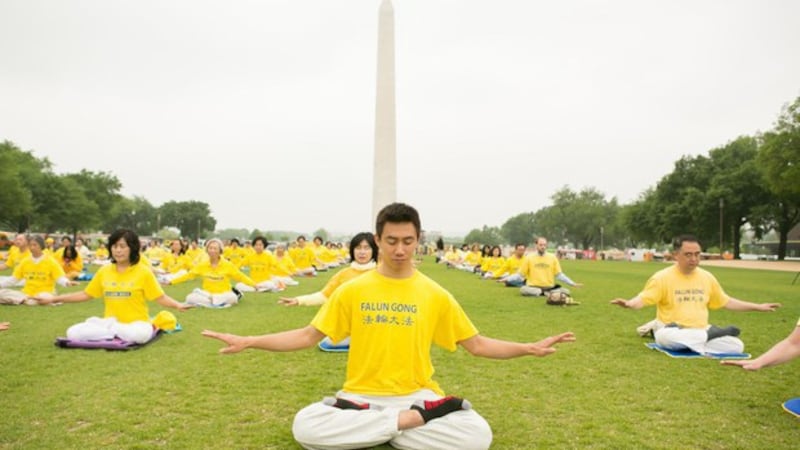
492,265
39,273
71,261
217,273
173,264
126,286
262,266
235,253
363,253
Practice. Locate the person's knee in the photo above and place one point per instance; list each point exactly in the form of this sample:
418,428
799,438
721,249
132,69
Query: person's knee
306,425
138,332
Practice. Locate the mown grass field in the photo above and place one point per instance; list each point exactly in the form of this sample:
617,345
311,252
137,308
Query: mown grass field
604,391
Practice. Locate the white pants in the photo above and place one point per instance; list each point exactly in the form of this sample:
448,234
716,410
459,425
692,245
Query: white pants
167,277
13,297
696,339
322,427
200,297
97,329
264,286
288,281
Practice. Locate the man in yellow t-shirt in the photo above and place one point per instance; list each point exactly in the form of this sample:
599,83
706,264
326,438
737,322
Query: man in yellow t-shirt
683,293
540,270
392,315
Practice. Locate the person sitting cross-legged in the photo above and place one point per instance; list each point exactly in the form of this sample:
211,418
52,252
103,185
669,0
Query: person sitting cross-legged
389,395
683,293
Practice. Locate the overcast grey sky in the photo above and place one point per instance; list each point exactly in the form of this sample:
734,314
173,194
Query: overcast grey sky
265,109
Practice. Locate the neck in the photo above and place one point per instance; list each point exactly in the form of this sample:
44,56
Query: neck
406,271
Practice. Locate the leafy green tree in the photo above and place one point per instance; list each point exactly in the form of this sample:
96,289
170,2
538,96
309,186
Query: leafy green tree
193,218
779,159
16,203
101,188
737,188
577,217
485,236
21,173
62,205
519,229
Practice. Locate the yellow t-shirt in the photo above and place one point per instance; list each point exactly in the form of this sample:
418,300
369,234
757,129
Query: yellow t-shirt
101,253
684,299
261,265
303,257
216,280
235,255
73,266
493,264
392,324
195,254
472,258
341,277
540,270
40,276
284,267
15,256
125,294
172,263
510,266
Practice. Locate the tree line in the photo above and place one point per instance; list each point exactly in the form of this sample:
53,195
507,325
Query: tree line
753,180
33,197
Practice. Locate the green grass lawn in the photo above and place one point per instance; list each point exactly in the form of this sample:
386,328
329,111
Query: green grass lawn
604,391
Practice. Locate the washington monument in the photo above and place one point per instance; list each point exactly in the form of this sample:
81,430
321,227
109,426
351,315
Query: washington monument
384,174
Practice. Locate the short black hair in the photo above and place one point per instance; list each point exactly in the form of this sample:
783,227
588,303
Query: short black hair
678,242
397,213
262,239
360,237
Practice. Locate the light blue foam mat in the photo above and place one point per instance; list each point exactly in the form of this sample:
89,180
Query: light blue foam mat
693,354
792,406
326,345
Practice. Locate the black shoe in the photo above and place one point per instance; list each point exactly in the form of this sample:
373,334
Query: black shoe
238,293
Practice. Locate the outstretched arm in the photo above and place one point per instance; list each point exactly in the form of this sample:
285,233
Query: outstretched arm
740,305
169,302
285,341
634,303
783,351
498,349
75,297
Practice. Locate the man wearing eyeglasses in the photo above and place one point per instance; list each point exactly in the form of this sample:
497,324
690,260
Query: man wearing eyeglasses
683,293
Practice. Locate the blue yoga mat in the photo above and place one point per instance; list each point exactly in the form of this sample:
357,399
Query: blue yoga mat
792,406
326,345
693,354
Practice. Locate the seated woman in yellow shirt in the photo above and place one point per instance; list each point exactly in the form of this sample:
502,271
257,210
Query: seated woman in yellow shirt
71,261
217,273
39,272
173,264
285,268
262,266
126,285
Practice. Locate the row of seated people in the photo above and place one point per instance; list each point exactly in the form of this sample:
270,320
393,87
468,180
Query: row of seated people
129,281
267,271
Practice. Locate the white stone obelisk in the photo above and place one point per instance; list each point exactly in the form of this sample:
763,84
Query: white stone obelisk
384,181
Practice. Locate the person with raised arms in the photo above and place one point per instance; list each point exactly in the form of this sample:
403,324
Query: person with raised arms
126,285
393,315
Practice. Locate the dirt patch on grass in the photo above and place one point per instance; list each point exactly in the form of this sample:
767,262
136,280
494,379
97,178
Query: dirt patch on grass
786,266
